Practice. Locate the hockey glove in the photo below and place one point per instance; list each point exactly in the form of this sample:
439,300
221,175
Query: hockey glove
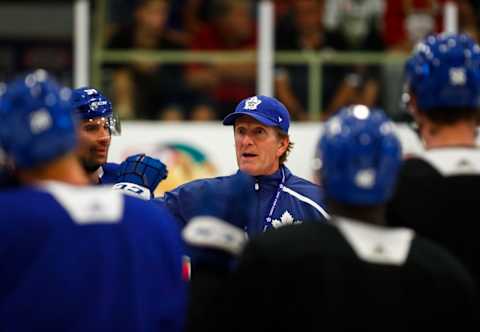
140,174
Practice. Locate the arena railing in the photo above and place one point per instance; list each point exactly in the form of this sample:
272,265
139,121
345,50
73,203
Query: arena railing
313,59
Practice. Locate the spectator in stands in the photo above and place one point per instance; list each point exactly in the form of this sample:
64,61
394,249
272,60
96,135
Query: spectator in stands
301,30
306,30
407,22
231,27
144,89
357,25
188,17
468,18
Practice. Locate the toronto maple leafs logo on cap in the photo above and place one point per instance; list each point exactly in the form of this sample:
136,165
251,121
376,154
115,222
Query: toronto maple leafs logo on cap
267,110
252,103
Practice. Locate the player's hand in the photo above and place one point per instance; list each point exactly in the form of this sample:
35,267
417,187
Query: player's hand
140,174
217,232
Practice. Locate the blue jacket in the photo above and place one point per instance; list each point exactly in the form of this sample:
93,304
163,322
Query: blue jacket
298,200
88,259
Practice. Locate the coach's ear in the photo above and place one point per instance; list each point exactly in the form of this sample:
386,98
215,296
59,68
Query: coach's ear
282,145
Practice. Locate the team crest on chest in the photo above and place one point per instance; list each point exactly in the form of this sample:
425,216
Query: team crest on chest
285,219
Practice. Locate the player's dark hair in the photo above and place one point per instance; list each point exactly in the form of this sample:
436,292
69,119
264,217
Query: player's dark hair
450,115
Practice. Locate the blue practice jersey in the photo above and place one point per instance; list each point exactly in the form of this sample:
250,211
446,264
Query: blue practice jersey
88,259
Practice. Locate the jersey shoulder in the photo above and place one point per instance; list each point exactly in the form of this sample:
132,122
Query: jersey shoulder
152,211
445,162
284,243
88,204
355,243
200,183
432,256
189,191
304,187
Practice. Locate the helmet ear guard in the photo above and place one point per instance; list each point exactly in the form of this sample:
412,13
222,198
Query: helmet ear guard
360,156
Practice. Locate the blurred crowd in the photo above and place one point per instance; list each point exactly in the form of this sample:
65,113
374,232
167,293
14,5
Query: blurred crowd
156,91
153,90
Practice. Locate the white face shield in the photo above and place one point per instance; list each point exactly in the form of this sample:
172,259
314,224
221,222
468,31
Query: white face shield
111,122
114,125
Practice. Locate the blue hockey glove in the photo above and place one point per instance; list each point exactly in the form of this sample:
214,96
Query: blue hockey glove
216,234
140,174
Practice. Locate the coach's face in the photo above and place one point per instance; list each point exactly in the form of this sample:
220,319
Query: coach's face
94,141
258,147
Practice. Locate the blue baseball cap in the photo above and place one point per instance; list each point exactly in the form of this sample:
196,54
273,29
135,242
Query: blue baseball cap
267,110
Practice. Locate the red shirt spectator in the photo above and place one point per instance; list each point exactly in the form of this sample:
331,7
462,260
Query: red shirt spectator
231,28
396,34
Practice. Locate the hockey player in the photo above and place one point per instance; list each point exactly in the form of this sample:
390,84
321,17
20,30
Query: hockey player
97,125
76,257
138,174
262,144
437,194
353,273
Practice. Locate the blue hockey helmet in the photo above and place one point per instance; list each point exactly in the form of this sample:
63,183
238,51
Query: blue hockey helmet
90,104
360,156
36,123
444,72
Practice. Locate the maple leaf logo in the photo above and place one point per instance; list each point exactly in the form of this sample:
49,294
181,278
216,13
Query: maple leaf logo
252,103
285,219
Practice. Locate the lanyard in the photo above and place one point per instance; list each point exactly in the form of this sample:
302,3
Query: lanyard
277,195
